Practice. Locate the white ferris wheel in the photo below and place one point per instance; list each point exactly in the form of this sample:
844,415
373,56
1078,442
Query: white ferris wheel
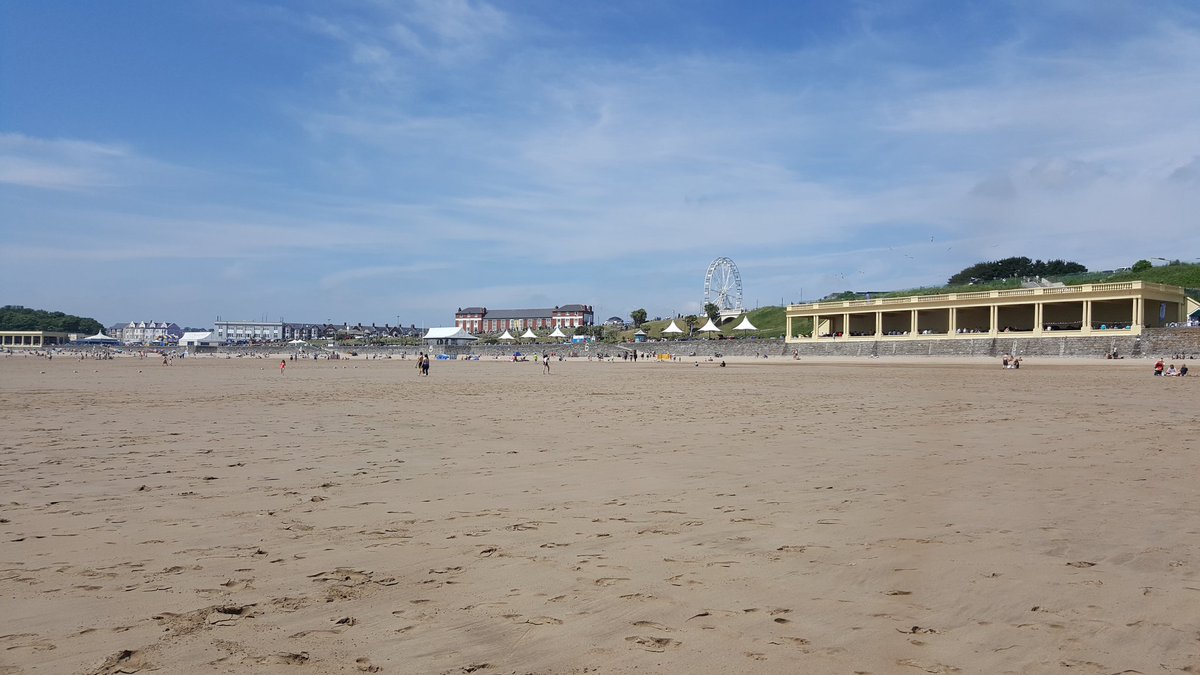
723,286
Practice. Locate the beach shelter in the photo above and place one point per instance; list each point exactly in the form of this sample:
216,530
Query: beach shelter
558,333
745,324
710,327
529,334
639,336
672,328
506,336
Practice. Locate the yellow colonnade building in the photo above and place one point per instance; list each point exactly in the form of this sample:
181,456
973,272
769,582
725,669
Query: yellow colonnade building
31,339
1092,309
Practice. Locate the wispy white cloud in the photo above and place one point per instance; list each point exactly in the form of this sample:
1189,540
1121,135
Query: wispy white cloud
495,148
60,164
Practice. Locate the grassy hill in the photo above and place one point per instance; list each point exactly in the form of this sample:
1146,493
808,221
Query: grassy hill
1187,276
1184,275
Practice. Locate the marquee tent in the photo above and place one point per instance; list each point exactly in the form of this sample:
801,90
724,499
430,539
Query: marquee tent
529,333
745,324
506,336
101,339
200,338
672,328
558,333
710,327
448,336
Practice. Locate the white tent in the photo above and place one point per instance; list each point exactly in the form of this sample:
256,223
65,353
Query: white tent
101,339
558,333
448,336
672,328
506,336
529,333
710,327
200,338
745,324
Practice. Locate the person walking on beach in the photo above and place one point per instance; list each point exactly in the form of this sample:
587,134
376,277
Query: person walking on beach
282,365
420,363
546,363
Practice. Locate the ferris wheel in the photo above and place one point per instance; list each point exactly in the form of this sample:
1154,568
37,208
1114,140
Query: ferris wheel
723,285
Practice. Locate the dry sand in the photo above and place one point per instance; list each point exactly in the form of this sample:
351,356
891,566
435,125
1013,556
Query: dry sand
781,517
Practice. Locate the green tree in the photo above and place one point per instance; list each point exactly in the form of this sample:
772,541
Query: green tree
1142,266
638,316
691,320
1009,268
16,317
712,311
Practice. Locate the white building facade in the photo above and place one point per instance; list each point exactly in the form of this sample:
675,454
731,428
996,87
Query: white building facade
146,332
247,331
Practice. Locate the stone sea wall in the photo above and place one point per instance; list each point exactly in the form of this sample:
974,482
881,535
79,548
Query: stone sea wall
1154,342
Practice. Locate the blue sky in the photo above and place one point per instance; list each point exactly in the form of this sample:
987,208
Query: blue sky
371,160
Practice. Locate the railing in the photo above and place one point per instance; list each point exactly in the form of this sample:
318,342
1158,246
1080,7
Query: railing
979,295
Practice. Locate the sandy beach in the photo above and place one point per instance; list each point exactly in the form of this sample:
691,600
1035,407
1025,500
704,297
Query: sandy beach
882,516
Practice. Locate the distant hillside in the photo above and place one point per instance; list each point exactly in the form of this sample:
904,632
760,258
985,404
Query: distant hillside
16,317
1184,275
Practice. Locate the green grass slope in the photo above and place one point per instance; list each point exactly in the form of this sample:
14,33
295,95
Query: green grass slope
1184,275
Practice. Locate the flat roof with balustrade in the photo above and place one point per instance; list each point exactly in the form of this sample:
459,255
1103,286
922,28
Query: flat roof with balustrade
1047,311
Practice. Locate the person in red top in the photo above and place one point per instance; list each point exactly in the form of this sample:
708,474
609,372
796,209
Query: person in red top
282,365
1158,368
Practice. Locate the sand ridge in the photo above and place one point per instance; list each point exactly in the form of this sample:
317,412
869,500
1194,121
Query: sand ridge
816,516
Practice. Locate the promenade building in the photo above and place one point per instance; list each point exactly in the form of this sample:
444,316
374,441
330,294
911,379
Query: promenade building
482,321
247,331
32,339
1124,308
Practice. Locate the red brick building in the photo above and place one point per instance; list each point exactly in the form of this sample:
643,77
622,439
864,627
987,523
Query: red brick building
482,321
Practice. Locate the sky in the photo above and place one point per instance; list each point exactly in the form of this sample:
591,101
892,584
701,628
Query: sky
378,162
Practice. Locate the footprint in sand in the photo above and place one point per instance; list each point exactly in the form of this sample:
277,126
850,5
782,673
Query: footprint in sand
653,644
292,658
124,661
364,665
609,581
